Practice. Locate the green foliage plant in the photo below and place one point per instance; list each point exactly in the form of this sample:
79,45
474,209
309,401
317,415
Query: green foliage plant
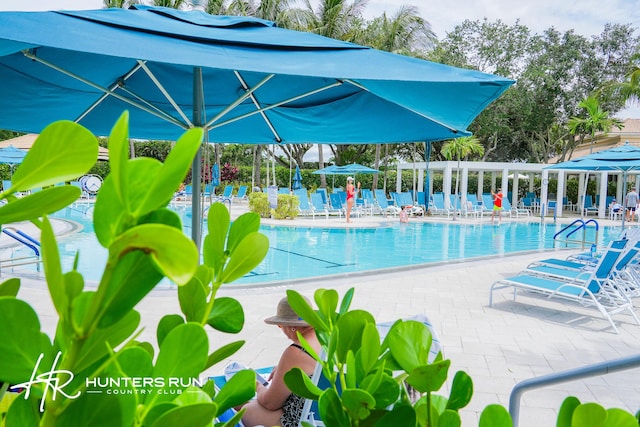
287,206
374,383
63,380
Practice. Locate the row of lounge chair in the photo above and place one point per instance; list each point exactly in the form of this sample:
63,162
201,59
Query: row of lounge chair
472,206
371,203
209,191
608,283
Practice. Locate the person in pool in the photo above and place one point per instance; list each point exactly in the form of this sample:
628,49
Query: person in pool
275,404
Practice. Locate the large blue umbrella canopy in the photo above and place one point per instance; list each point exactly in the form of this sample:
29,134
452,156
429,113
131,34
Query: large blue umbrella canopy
297,179
240,78
624,158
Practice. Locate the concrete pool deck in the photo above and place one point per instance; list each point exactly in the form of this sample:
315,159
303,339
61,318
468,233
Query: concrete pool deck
497,346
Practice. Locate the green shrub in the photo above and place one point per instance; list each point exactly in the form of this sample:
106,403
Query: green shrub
287,206
95,339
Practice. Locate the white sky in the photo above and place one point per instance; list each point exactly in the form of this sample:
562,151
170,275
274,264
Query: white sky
586,17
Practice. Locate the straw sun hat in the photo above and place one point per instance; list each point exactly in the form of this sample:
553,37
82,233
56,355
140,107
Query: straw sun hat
285,315
350,178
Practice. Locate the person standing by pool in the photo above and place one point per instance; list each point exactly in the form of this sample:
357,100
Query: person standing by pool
497,205
630,203
351,196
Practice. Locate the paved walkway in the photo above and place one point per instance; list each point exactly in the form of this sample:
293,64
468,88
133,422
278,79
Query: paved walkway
497,346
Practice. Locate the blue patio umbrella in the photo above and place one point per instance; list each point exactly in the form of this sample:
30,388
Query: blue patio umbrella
625,158
253,82
215,175
12,156
297,179
350,169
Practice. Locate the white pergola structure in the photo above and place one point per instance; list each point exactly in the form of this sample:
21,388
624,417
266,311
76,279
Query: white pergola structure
449,169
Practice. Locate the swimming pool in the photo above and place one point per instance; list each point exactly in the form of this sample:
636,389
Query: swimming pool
304,252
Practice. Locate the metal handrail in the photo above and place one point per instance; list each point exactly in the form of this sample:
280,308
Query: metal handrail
568,375
23,238
581,225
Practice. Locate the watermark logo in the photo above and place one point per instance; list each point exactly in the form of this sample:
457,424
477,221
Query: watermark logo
54,381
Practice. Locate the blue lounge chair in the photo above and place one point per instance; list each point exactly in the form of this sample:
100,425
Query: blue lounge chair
320,208
242,193
404,199
304,207
438,207
588,206
595,288
383,203
506,206
228,190
336,203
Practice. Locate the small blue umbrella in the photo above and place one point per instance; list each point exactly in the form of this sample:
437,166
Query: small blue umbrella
12,156
297,179
215,175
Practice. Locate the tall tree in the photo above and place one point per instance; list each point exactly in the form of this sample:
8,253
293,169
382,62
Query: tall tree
461,148
596,120
173,4
122,4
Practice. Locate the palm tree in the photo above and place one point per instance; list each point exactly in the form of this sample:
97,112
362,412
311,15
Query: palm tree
173,4
597,120
122,4
461,148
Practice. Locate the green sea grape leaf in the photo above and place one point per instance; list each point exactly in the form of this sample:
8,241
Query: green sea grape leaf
53,269
23,412
218,221
331,412
40,203
566,411
135,362
239,389
174,362
409,342
166,325
100,410
495,416
241,227
247,255
461,391
109,212
162,186
96,347
162,216
21,341
620,418
304,310
449,418
589,414
358,403
63,151
133,277
299,383
351,326
223,352
429,378
327,301
227,315
400,415
119,157
10,287
177,260
193,300
370,349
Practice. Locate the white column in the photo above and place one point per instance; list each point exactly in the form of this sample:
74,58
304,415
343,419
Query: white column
516,183
420,178
493,181
399,180
464,183
619,195
430,182
602,208
531,182
544,191
505,182
560,192
446,184
480,184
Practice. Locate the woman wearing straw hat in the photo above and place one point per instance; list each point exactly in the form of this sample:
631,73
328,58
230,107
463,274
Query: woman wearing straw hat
351,196
275,405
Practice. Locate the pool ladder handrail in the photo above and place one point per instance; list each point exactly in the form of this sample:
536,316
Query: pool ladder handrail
597,369
582,225
27,241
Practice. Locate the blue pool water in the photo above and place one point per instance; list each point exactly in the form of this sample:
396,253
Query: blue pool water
304,252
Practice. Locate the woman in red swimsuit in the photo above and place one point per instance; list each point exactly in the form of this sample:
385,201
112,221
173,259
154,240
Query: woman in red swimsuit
351,195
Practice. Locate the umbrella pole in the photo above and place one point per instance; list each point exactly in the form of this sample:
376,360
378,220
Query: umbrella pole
198,121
